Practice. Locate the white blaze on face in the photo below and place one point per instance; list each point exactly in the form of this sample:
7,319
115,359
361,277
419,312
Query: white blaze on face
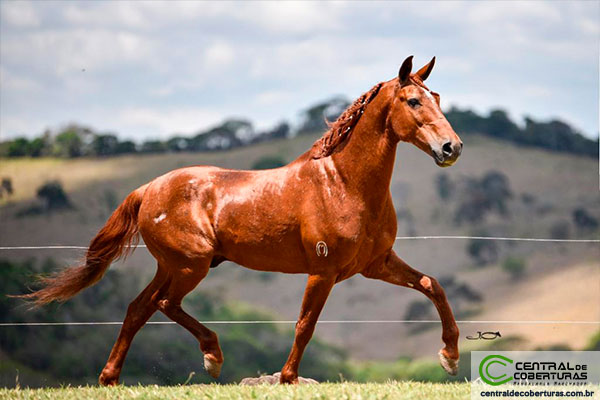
428,94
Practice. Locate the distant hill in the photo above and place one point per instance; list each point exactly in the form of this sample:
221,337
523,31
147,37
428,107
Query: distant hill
541,191
80,141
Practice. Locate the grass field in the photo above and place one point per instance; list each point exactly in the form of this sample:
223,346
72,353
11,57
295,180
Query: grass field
363,391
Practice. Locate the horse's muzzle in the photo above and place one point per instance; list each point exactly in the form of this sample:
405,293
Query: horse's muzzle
447,154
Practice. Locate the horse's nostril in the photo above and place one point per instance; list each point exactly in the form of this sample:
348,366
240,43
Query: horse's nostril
447,149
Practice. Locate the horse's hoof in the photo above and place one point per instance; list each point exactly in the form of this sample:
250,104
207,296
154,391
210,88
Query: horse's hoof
106,380
212,366
450,365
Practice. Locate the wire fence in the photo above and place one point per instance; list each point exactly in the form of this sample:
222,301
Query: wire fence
505,239
359,321
232,322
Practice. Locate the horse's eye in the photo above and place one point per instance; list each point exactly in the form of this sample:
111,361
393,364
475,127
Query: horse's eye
414,103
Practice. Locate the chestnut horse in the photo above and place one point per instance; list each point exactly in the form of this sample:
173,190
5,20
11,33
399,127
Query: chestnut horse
328,214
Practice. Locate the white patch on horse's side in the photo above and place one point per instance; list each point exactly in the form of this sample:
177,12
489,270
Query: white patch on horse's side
428,94
160,218
192,181
322,249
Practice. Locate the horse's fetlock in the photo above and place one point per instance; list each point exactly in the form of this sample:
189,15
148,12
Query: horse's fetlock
288,376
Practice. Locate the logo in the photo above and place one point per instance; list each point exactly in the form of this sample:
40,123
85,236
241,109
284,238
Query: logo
485,336
486,375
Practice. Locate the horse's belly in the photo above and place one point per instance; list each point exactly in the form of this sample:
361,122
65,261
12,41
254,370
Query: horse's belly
265,253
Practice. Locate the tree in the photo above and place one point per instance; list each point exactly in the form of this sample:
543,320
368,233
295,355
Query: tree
178,143
39,146
314,117
53,196
68,144
153,146
18,147
125,147
104,145
280,131
230,134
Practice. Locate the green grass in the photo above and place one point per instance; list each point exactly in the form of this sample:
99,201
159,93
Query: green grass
363,391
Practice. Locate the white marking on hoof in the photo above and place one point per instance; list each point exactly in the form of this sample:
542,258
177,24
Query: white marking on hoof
322,249
160,218
449,365
212,367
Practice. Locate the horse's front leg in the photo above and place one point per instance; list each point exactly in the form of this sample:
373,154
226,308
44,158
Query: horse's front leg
393,270
315,295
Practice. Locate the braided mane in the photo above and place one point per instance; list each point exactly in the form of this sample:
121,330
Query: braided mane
341,129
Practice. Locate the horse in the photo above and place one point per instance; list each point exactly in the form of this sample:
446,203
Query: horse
328,214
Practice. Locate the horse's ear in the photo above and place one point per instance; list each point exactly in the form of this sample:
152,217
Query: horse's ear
426,70
404,72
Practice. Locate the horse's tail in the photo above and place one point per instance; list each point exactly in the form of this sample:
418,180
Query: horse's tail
117,238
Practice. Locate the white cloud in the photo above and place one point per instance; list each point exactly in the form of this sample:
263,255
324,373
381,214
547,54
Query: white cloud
163,67
65,52
20,14
219,55
13,82
271,97
163,122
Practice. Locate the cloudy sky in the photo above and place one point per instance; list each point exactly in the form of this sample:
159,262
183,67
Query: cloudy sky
149,69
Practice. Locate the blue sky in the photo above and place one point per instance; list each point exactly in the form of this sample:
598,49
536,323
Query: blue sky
150,69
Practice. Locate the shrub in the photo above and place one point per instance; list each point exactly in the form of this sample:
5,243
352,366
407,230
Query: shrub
583,220
514,266
483,252
560,230
53,196
444,186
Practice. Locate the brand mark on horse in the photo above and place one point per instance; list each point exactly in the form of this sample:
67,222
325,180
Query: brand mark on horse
322,249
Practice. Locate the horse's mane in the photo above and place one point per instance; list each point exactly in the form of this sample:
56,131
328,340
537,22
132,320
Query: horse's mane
341,129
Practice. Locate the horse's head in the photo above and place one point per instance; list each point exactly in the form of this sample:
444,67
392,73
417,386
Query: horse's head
415,116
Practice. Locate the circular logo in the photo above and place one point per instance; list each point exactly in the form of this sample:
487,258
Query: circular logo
487,376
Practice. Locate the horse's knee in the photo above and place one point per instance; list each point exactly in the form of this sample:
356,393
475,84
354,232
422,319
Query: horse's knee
166,306
427,283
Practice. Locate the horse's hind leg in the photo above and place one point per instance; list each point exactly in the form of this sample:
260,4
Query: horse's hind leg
183,280
138,313
396,271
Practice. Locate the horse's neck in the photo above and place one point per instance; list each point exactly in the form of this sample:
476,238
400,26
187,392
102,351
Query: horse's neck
367,160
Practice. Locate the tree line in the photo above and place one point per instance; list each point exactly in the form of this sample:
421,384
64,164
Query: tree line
79,141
